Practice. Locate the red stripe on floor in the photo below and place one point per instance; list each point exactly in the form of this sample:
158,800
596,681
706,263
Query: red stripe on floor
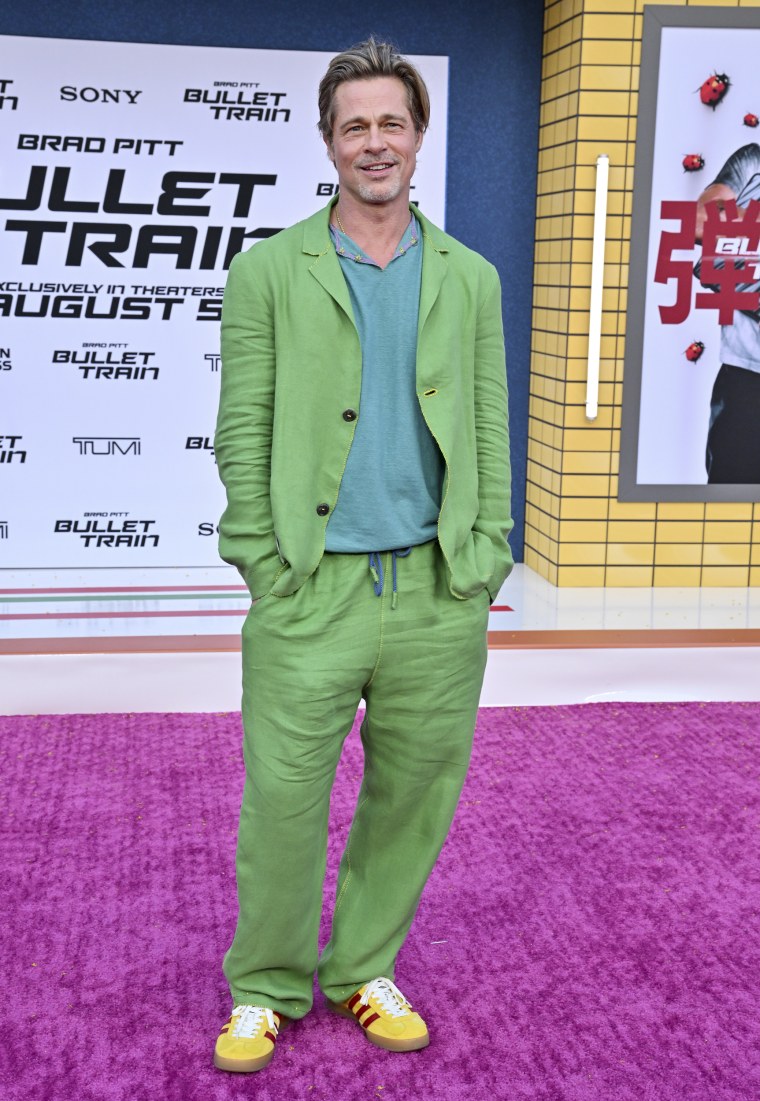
126,615
132,589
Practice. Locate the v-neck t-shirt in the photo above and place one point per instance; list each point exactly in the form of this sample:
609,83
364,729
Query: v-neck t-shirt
390,493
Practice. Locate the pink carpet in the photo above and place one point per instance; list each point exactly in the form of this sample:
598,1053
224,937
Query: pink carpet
591,932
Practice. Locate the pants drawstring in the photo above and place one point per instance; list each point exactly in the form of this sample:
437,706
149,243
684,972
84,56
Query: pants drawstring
376,569
378,576
395,555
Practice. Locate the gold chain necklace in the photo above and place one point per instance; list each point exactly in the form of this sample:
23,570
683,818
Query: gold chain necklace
340,224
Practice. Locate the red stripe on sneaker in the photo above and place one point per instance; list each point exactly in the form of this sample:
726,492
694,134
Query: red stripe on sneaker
270,1037
352,1001
370,1020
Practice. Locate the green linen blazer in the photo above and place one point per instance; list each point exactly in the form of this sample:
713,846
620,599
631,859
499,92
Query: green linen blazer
292,365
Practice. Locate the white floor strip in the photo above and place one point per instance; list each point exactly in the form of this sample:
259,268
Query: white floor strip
208,681
92,683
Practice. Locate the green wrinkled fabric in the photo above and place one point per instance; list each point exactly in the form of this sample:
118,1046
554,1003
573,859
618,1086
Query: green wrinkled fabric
307,661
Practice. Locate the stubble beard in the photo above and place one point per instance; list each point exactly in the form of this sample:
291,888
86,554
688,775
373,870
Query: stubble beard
374,194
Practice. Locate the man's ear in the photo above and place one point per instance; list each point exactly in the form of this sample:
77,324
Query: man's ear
418,143
329,145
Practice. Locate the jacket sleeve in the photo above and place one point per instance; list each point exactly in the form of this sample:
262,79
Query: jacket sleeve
494,517
243,440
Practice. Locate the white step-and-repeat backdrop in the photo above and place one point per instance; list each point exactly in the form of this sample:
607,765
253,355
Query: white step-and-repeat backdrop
130,175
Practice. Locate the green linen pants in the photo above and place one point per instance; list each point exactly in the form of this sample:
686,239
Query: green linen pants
308,659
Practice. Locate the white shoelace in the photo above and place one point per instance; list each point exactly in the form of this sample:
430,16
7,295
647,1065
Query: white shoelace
248,1019
388,996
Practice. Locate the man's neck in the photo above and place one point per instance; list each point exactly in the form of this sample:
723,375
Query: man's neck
376,228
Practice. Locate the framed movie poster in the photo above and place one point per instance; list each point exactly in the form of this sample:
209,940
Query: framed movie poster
691,398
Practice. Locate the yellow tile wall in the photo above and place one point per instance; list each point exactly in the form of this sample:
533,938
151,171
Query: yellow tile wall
576,531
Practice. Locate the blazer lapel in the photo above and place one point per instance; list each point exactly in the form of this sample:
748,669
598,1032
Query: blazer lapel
326,270
434,271
434,266
325,267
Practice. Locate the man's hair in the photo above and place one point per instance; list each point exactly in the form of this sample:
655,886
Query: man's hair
364,61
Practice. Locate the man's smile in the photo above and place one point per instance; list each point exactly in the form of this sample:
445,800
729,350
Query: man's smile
377,166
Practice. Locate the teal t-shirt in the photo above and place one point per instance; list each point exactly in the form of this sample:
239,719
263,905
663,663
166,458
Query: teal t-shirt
390,494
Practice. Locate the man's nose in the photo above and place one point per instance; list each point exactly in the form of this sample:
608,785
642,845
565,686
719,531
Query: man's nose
375,138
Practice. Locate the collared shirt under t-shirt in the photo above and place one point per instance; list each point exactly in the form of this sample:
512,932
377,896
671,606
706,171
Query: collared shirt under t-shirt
390,493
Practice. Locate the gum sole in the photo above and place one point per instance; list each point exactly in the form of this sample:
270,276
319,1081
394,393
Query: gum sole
417,1044
240,1066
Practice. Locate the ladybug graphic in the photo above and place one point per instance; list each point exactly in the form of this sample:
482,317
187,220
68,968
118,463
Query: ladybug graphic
714,89
693,162
694,351
751,120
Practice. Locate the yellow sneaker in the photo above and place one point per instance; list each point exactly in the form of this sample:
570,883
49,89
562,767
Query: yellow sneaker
386,1017
246,1042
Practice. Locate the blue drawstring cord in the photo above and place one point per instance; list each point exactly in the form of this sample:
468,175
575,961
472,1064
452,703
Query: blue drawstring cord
378,576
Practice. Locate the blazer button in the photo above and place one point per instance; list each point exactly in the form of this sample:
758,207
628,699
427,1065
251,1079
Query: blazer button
322,510
349,415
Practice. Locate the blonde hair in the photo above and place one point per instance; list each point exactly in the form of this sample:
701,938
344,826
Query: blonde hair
364,61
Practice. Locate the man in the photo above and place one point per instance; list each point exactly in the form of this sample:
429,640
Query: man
733,442
362,440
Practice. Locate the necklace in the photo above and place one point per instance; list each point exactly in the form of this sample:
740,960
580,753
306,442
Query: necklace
340,224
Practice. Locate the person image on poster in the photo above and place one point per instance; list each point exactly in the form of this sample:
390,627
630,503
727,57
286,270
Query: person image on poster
733,437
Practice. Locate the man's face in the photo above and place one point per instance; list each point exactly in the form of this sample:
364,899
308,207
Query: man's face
374,144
